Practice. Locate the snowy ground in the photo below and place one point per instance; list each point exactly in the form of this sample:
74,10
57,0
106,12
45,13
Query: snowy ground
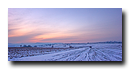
18,52
98,52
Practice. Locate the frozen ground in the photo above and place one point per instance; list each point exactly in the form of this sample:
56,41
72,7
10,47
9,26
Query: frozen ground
98,52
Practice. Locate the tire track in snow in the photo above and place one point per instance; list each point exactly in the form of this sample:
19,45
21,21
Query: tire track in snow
108,55
88,54
81,54
70,56
77,57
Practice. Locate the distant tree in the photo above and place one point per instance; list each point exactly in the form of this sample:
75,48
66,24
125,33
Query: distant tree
70,47
24,46
35,46
64,45
20,45
29,46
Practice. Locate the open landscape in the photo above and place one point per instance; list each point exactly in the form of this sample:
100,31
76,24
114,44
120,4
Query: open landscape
64,34
77,52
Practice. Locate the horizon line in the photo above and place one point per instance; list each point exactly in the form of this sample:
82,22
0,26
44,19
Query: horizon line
70,42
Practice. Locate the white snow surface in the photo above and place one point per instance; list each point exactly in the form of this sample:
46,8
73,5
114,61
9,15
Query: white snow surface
98,52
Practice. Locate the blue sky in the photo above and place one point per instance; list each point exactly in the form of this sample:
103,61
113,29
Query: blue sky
31,25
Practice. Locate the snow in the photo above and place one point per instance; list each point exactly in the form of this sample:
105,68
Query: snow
98,52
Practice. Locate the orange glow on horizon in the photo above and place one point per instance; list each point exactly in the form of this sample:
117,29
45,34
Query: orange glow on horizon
33,25
54,35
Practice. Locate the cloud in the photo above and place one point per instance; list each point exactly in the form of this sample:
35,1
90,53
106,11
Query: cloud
10,30
22,39
40,25
59,39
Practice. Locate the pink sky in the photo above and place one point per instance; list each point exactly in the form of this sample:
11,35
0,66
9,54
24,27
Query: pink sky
64,25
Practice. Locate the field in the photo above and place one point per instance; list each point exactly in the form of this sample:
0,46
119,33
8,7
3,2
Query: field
18,52
78,52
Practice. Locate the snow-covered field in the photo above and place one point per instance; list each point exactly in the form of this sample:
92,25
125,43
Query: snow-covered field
98,52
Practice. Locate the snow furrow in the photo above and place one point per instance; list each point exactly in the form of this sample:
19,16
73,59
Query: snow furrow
70,56
83,56
78,54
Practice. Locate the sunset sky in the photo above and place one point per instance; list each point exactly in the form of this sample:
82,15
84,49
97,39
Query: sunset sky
64,25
